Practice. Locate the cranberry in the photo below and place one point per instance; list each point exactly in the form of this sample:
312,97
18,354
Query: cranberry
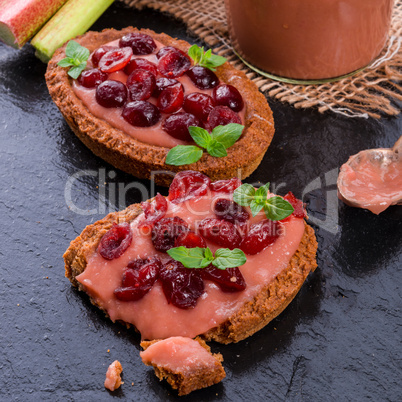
182,286
229,279
223,233
115,241
165,50
228,95
226,186
138,279
260,235
91,78
198,104
140,84
177,125
111,93
222,115
99,53
171,99
115,60
188,184
174,64
230,211
296,204
141,113
139,43
163,83
154,211
144,64
166,231
190,240
203,77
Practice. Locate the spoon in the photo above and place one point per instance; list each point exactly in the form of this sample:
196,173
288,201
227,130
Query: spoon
372,179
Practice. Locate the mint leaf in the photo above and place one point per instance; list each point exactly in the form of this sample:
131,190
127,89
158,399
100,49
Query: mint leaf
216,149
198,257
262,193
244,195
227,135
195,52
183,155
200,136
191,257
276,208
226,258
77,57
205,59
256,207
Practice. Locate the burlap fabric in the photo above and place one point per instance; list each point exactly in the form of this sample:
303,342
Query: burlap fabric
376,91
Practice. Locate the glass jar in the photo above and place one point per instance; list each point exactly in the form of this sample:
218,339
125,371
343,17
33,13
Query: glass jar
308,39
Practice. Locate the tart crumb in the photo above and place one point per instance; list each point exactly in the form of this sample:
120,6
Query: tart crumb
113,376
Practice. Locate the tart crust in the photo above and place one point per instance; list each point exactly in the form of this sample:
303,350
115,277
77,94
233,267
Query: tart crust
251,317
141,159
195,379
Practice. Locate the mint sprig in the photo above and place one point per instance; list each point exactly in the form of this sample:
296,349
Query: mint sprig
216,143
198,257
205,59
76,58
275,208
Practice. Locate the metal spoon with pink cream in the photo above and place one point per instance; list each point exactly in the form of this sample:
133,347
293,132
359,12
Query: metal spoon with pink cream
372,179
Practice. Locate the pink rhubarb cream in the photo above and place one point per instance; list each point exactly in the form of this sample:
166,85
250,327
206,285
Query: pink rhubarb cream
152,315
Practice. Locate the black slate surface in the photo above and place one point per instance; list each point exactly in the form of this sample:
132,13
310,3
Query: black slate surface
339,340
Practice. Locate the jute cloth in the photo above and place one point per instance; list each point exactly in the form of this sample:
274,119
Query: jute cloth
374,92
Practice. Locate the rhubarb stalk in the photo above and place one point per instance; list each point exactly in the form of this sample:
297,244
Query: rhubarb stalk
73,19
21,19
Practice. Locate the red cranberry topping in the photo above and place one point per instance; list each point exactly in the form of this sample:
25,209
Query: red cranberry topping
166,231
230,211
165,50
115,241
260,235
115,60
91,78
138,279
153,211
182,286
111,93
163,83
140,84
188,184
296,204
141,113
99,53
140,43
174,64
222,115
190,240
226,186
229,279
203,77
144,64
223,233
228,95
177,125
171,99
198,104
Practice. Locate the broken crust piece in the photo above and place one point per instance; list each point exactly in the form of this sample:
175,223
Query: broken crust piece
186,364
141,159
113,379
251,317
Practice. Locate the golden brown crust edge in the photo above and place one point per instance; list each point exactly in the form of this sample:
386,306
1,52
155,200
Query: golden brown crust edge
140,159
186,383
254,315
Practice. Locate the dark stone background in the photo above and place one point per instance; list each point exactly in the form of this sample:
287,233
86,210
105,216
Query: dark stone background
340,339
